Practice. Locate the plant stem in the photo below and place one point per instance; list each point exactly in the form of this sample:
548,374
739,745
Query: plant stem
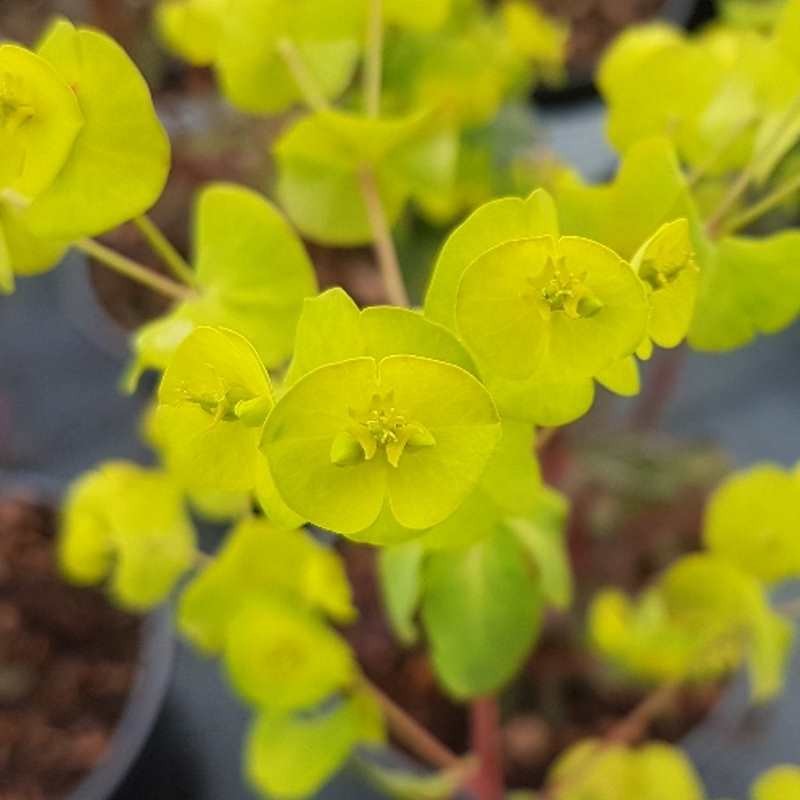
133,270
165,250
662,381
411,734
373,66
767,203
715,222
304,79
487,744
382,241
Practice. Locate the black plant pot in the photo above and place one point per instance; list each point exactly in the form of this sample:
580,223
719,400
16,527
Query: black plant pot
147,695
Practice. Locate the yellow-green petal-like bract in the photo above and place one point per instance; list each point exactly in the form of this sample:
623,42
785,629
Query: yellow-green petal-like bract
352,436
119,163
779,783
39,121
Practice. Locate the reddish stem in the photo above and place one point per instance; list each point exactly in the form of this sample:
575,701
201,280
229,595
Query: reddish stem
487,744
662,381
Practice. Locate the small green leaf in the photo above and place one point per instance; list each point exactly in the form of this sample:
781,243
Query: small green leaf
481,608
292,757
119,162
129,525
20,251
320,163
778,783
39,121
400,572
282,658
751,520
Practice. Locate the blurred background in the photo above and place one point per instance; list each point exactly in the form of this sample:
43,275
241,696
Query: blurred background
63,344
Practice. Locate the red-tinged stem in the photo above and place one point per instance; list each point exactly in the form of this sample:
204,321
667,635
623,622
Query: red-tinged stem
488,782
659,389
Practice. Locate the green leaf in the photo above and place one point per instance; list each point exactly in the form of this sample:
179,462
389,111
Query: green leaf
543,538
129,525
260,562
420,432
570,305
779,783
481,608
191,28
400,570
39,121
537,37
492,224
320,163
319,744
119,162
212,401
282,658
748,287
751,520
621,377
602,771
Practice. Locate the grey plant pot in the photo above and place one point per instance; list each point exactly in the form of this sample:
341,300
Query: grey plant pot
153,673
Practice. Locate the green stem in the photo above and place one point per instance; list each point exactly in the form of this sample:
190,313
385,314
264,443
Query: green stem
133,270
373,67
385,250
716,221
165,250
304,79
757,210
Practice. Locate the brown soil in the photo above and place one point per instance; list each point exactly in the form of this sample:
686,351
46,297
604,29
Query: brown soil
67,663
595,23
619,535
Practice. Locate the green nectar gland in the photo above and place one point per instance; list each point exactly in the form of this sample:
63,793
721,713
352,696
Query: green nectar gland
380,427
660,275
565,291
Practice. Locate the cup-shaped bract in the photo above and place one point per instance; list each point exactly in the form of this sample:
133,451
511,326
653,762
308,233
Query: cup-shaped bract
666,265
406,434
753,521
284,658
192,28
39,121
703,618
120,159
604,771
569,305
779,783
258,561
212,402
127,525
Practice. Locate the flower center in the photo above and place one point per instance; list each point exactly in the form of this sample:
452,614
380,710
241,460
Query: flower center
381,427
15,108
566,291
658,276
